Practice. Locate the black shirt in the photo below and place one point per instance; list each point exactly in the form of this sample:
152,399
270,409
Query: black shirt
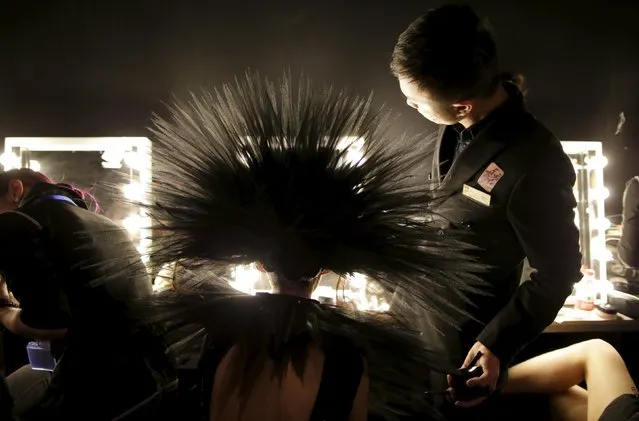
457,137
82,272
93,267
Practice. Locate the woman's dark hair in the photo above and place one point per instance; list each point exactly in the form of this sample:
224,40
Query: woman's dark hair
29,178
450,52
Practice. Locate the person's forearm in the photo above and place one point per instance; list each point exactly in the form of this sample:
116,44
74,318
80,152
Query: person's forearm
10,318
533,307
554,372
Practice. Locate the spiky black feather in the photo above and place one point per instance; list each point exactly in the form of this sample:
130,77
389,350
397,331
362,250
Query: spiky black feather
256,172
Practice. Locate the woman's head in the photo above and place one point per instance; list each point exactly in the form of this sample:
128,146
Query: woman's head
302,286
14,184
256,172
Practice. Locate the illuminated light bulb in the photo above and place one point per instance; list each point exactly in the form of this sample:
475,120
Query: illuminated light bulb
601,253
354,157
384,307
133,223
599,194
112,159
357,280
245,278
35,165
606,256
132,160
605,287
602,224
353,147
597,162
145,243
133,191
362,305
9,161
324,291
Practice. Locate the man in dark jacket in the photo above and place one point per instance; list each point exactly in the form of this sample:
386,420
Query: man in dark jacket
505,181
628,248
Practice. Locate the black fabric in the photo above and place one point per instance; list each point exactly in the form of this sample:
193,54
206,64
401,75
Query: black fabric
341,377
628,247
624,408
6,401
343,370
465,135
531,214
54,272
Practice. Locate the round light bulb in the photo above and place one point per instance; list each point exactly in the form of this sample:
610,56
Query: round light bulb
133,191
35,165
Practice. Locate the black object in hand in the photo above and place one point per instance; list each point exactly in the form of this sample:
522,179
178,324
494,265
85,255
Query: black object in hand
460,388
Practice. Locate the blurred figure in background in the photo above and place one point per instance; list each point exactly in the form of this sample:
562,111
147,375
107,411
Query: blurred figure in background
628,248
68,277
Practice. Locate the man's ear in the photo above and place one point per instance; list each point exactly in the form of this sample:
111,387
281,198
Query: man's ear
16,188
462,109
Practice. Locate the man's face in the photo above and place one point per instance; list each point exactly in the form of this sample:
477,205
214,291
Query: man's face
9,201
436,111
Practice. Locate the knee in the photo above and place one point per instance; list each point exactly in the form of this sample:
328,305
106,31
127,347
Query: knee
600,349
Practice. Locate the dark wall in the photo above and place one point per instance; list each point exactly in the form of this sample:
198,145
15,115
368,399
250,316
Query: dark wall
92,68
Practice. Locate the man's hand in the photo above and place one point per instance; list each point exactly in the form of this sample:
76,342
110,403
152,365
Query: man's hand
4,290
5,294
489,364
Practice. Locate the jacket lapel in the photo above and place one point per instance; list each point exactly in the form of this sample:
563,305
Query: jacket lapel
481,151
435,173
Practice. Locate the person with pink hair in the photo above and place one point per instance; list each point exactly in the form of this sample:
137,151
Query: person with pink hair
62,285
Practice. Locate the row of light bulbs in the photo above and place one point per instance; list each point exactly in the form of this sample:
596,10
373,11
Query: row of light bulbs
245,278
10,161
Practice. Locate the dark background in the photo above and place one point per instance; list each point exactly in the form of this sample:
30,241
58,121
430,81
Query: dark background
99,68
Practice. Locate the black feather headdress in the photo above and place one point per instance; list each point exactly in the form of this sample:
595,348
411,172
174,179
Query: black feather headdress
258,172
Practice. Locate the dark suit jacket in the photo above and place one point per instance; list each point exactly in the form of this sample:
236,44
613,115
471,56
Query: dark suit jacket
628,248
531,214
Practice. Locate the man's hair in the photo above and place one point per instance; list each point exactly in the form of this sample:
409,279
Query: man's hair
450,52
30,178
26,175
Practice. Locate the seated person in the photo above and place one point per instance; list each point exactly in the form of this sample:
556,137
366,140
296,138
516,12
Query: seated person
628,247
611,394
65,265
257,176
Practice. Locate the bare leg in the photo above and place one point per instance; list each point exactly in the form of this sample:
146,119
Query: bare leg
595,361
571,405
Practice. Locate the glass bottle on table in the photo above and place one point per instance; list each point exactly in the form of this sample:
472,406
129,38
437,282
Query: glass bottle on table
586,291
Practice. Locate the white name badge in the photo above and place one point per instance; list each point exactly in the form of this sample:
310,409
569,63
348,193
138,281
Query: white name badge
476,195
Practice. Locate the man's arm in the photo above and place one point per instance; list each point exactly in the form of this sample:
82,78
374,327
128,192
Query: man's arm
628,248
44,312
10,318
541,212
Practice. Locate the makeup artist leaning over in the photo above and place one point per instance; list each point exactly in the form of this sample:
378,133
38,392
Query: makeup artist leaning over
53,249
506,182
